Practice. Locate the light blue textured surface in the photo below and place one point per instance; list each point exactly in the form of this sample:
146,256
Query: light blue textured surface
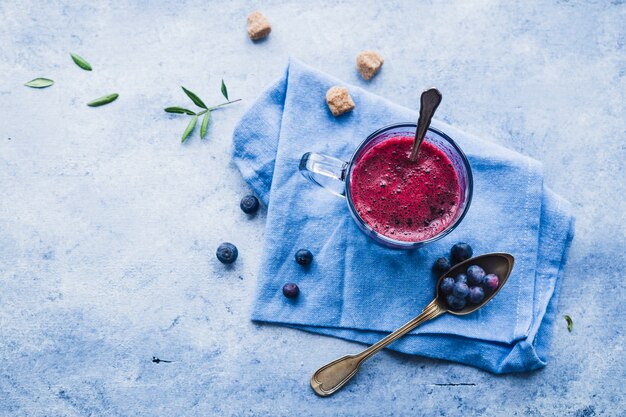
108,226
358,290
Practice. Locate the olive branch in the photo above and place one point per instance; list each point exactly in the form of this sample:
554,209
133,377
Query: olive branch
206,111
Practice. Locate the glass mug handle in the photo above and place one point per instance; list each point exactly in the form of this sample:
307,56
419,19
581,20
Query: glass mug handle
325,171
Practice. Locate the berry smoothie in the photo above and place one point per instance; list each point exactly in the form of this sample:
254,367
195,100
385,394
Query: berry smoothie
404,200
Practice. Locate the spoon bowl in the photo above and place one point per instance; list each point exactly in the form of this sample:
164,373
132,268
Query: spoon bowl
500,264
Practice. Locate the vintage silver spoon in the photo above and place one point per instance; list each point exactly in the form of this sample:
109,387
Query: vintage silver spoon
332,376
428,104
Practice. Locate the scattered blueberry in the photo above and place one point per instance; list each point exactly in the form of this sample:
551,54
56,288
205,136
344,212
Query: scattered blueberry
460,290
476,295
461,278
249,204
227,253
304,257
455,303
441,266
447,285
291,290
475,275
461,252
491,282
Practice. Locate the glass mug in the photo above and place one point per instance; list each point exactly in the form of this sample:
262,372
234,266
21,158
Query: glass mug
334,175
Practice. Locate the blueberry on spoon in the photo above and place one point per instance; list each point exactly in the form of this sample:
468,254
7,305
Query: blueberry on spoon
476,295
447,285
475,275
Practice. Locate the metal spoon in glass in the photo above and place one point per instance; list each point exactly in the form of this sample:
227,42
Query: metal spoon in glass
332,376
428,104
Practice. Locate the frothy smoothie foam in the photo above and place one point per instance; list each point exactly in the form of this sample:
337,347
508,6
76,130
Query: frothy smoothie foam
404,200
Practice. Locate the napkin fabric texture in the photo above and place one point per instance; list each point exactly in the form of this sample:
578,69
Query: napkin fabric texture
360,291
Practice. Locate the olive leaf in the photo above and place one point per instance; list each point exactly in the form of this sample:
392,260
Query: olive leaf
179,110
39,83
81,62
196,100
189,128
205,124
570,323
224,90
103,100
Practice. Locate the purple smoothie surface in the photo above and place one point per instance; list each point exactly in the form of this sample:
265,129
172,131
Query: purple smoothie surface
404,200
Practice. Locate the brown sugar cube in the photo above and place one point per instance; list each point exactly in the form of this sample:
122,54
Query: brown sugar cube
368,63
339,100
258,26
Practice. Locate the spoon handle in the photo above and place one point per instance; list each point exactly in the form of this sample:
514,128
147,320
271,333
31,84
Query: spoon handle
332,376
428,104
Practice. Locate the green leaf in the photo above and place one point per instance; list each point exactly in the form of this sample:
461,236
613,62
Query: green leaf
189,129
103,100
179,110
39,83
196,100
205,124
570,323
224,90
80,61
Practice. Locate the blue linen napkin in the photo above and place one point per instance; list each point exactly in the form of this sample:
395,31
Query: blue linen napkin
358,290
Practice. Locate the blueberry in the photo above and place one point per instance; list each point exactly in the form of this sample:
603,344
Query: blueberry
249,204
475,275
304,257
455,303
460,252
491,282
227,253
291,290
447,285
460,290
461,278
476,295
441,266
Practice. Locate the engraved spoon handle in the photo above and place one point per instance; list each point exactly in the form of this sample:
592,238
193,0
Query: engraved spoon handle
428,104
332,376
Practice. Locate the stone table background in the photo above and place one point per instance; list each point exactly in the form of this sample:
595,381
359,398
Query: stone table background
108,226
